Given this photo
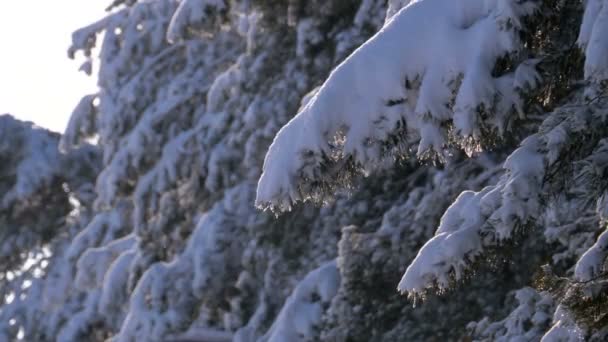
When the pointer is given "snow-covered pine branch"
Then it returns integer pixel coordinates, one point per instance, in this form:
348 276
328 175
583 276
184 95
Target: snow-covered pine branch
428 67
478 221
175 248
37 184
592 39
43 194
191 14
528 321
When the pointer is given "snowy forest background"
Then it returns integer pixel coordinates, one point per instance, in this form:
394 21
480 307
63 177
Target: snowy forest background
321 170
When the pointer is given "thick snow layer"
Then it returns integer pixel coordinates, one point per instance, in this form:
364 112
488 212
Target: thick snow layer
592 38
591 263
95 262
564 329
402 73
476 221
101 230
81 124
197 274
304 307
184 125
114 289
191 13
456 240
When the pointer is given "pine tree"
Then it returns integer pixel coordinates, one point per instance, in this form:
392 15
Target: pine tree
44 197
457 145
465 101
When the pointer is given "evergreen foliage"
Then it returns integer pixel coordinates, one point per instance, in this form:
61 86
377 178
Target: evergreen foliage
458 145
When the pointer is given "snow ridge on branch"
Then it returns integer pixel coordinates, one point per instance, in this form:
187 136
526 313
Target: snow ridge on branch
429 67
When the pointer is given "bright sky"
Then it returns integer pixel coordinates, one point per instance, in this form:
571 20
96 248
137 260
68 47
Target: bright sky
38 82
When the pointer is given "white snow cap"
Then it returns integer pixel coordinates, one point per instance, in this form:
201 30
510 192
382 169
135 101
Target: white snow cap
592 38
191 13
590 264
301 312
430 64
478 220
564 328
